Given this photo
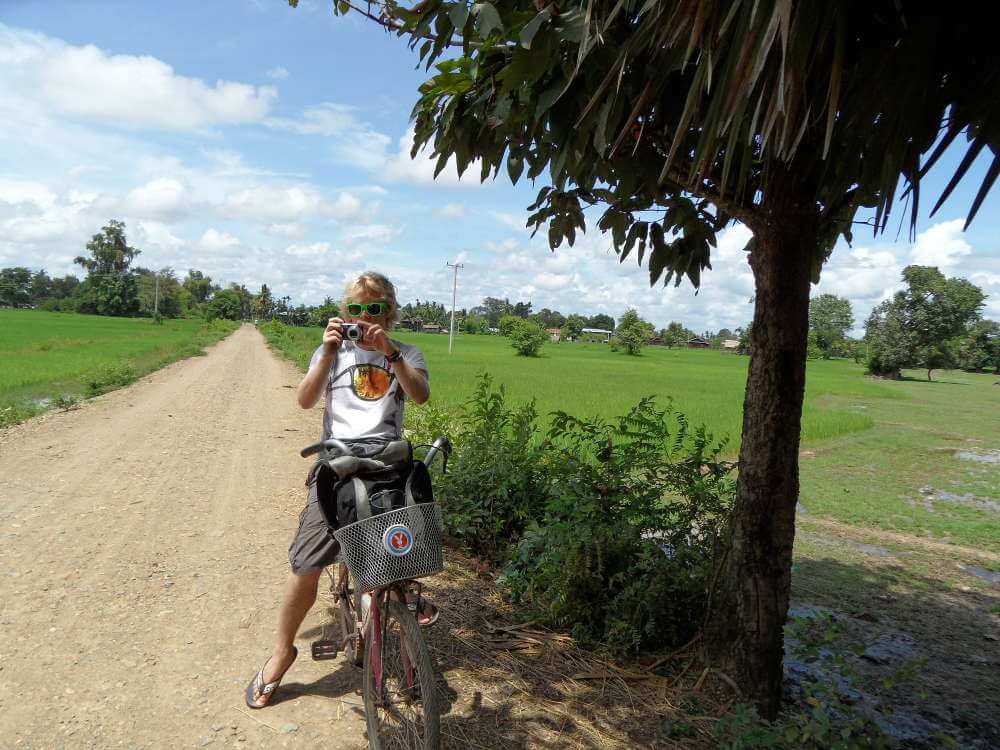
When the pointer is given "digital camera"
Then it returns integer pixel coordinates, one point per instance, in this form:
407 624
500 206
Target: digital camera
352 331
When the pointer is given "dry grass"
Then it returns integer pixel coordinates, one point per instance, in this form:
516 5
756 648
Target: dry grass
508 683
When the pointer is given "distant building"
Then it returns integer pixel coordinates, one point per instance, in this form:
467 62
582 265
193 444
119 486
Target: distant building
698 343
598 332
431 328
555 334
730 345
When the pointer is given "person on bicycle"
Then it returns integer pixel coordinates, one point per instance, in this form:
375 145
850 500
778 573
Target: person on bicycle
365 384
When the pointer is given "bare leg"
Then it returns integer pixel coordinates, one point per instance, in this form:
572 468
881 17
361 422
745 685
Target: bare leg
298 598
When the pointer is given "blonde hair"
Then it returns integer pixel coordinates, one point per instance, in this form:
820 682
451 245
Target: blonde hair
375 284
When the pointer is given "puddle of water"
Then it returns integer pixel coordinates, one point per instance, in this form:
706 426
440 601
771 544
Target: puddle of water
987 575
989 457
874 549
930 496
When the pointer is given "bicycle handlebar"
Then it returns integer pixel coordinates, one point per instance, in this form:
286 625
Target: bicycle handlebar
441 445
330 444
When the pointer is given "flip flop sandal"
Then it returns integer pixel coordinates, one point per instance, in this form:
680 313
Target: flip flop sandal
419 606
261 689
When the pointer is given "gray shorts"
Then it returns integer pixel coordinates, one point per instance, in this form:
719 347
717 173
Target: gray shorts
313 547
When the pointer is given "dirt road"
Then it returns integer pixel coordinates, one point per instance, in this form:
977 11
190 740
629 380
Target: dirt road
143 544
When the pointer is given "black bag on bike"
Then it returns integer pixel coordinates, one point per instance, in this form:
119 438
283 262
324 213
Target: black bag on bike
351 491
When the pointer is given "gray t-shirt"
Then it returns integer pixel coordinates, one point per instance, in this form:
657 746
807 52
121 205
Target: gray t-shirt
363 397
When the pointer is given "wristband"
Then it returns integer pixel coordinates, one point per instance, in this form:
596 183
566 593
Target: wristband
395 356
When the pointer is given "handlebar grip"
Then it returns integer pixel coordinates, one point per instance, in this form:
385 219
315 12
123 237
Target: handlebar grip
328 444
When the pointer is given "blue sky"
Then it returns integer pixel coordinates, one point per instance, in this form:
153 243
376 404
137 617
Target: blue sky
263 144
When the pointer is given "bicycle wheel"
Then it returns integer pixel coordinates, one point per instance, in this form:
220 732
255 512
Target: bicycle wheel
404 713
345 613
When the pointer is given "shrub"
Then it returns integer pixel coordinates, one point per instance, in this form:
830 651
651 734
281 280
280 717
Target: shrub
497 479
608 529
626 546
109 378
527 337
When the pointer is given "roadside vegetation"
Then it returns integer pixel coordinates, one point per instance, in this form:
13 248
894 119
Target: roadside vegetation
52 360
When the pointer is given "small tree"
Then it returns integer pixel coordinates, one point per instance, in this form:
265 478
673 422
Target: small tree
633 332
915 327
110 287
527 337
15 287
506 324
979 351
830 318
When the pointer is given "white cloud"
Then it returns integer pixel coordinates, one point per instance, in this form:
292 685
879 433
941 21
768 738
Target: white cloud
289 230
420 169
215 241
130 90
942 245
269 203
159 235
375 234
548 280
164 196
310 250
16 192
451 211
512 220
279 73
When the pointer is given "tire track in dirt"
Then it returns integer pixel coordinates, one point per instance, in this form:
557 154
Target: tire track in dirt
141 561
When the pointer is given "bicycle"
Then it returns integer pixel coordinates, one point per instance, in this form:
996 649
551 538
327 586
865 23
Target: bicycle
376 629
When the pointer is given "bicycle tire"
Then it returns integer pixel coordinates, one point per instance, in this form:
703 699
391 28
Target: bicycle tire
418 725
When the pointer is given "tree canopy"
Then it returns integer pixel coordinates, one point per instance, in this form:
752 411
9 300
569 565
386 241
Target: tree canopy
916 327
830 318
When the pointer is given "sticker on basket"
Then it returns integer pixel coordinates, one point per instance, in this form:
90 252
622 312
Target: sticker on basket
397 540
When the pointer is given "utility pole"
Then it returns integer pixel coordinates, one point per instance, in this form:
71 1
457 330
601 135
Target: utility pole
454 295
156 296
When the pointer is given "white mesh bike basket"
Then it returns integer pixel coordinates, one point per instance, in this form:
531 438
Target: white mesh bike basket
393 546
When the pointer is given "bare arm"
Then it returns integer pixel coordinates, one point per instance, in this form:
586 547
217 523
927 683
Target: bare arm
314 382
411 380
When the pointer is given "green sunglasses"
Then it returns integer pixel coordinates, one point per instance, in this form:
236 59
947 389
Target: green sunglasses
372 308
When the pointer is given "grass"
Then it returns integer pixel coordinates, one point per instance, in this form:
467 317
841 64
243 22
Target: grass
51 359
869 446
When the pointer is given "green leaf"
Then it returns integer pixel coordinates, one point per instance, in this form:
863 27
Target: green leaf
459 14
487 19
515 165
341 7
532 27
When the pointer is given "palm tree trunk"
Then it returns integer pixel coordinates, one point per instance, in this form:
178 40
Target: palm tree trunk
749 604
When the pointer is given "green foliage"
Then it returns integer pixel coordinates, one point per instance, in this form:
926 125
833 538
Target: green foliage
573 327
830 318
833 725
475 324
526 337
506 324
110 253
116 295
633 516
979 350
225 304
497 478
916 326
110 377
632 333
159 291
15 287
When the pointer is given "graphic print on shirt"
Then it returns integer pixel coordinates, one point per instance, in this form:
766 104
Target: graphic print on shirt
368 382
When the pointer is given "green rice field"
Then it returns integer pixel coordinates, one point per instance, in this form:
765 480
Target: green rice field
881 454
55 357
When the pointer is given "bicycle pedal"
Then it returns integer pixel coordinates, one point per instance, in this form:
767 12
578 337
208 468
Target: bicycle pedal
324 649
